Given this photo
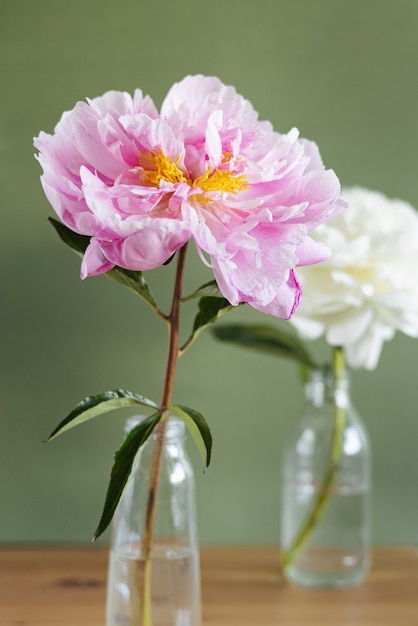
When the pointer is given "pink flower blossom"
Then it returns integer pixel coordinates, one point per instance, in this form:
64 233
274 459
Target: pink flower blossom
142 183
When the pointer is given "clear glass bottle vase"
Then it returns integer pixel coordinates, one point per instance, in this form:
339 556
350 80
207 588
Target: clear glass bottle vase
174 575
326 486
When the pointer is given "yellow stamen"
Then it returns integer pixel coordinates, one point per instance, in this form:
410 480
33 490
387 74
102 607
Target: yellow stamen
226 157
155 166
220 180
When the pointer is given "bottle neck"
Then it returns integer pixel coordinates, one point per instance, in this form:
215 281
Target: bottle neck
328 387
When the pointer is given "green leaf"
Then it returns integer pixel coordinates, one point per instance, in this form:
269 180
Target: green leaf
198 428
129 278
121 470
134 281
96 405
75 241
210 309
208 289
266 339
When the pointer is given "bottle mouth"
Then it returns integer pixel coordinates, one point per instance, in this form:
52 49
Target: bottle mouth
175 426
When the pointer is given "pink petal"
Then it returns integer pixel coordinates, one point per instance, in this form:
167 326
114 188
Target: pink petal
286 300
94 261
150 246
311 251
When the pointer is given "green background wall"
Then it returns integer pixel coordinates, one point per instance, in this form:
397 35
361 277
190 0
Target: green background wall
345 73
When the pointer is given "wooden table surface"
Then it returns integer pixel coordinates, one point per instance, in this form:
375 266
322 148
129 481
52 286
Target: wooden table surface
242 586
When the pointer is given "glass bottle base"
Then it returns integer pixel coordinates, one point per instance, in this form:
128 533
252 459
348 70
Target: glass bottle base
327 567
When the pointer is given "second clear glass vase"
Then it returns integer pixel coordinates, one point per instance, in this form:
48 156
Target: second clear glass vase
326 489
172 593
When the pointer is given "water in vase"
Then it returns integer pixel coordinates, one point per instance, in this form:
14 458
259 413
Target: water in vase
175 591
337 552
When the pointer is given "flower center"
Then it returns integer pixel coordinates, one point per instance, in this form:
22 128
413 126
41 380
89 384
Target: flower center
220 180
156 166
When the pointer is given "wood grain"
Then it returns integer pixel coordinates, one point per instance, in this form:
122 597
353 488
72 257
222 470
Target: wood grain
242 586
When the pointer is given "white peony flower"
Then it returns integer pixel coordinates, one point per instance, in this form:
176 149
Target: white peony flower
368 289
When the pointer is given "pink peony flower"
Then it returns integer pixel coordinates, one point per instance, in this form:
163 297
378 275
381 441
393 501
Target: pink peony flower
142 183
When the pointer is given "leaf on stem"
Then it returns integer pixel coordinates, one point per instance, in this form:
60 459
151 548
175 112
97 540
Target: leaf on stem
131 279
266 339
92 406
198 428
210 309
122 467
209 289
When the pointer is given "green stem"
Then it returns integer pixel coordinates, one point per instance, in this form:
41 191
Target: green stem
324 495
173 354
